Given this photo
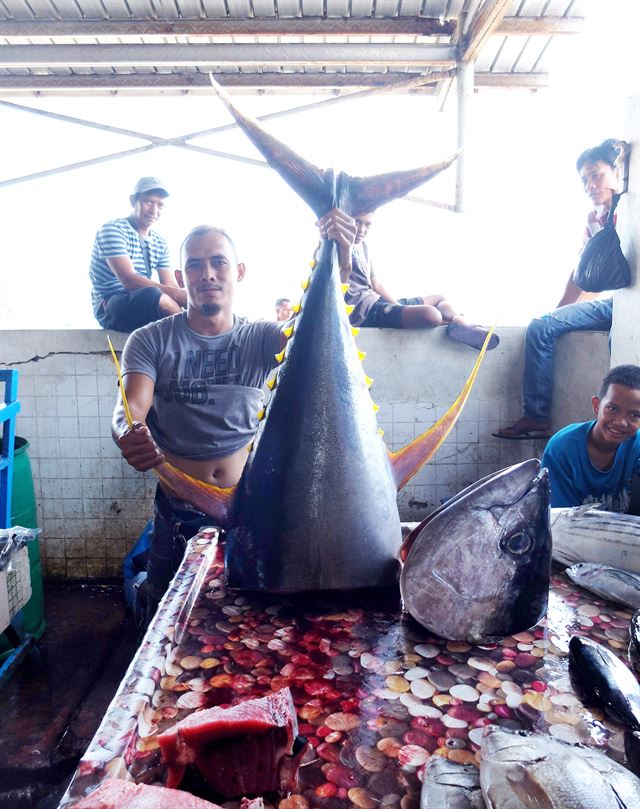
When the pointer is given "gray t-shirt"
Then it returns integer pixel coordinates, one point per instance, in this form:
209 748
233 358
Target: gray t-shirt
360 294
208 390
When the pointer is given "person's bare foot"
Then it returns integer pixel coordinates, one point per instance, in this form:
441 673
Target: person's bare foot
524 428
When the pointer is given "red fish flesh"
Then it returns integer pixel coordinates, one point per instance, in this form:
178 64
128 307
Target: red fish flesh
243 750
114 793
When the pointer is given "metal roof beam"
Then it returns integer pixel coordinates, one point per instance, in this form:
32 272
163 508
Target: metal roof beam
198 83
541 26
322 26
482 26
210 56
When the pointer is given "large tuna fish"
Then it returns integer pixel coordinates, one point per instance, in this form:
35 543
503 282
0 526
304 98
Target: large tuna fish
520 770
478 567
316 506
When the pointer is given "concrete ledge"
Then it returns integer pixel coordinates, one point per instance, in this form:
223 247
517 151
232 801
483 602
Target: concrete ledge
92 505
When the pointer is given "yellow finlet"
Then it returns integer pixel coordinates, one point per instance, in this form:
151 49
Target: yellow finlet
355 331
288 331
312 263
296 308
349 307
125 403
271 383
250 447
305 284
261 414
380 432
345 288
375 407
280 356
368 381
362 354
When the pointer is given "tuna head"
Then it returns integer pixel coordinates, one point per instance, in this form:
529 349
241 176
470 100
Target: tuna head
479 567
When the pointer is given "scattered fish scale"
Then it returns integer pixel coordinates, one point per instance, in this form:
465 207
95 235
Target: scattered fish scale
372 725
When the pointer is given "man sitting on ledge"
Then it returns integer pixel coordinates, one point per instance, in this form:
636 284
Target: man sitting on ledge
126 254
596 461
375 306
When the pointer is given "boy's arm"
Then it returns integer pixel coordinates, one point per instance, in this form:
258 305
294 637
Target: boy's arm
136 443
382 291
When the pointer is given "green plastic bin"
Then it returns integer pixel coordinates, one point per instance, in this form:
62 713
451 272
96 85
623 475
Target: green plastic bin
23 512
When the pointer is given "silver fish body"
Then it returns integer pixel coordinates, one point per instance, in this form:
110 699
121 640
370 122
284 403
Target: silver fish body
586 534
478 568
520 770
608 582
448 785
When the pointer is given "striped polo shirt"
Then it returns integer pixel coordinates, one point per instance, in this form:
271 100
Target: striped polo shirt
120 238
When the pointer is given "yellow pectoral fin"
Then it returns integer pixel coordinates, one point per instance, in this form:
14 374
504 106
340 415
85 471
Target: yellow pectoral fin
410 459
212 500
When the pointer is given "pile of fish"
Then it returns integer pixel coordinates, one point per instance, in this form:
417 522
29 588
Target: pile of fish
521 770
478 567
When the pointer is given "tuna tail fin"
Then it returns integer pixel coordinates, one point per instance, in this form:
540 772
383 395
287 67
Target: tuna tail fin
306 179
359 194
410 459
370 193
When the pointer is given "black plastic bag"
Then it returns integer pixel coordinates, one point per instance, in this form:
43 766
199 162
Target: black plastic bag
602 264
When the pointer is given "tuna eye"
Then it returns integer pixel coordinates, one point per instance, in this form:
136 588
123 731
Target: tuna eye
517 544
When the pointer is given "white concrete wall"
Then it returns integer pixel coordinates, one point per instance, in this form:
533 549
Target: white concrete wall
92 505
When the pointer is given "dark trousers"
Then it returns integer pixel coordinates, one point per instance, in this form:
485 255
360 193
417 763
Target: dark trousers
174 523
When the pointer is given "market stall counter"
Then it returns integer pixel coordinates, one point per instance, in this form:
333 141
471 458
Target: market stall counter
375 694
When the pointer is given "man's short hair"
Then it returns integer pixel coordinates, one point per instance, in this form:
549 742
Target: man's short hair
281 301
627 375
607 151
203 230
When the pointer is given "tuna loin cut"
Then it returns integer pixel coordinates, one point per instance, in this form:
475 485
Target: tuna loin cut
242 750
116 794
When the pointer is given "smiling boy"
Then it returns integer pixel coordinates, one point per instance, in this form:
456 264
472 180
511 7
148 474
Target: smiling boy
595 461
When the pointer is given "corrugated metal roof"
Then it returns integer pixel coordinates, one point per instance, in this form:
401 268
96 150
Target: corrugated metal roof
171 45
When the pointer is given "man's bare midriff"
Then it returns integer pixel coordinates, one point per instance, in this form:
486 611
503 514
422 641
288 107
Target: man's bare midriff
223 472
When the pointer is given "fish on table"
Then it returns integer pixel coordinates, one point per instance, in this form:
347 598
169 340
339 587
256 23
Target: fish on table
611 583
522 770
587 534
448 785
478 567
599 676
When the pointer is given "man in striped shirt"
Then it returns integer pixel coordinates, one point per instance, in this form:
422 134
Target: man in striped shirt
126 254
576 310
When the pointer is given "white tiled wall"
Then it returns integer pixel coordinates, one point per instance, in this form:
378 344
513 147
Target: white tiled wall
92 506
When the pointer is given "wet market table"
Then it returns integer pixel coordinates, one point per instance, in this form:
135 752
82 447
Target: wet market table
375 693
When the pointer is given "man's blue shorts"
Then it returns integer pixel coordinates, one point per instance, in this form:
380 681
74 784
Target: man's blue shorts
126 311
385 315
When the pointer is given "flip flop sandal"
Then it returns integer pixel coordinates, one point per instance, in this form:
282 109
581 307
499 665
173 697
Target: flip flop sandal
521 435
473 336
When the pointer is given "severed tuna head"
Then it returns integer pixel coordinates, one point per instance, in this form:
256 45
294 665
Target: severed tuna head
478 567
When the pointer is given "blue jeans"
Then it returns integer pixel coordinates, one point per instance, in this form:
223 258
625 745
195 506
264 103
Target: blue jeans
540 344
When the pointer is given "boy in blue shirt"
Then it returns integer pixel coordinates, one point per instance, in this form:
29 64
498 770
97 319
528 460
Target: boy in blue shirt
595 461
